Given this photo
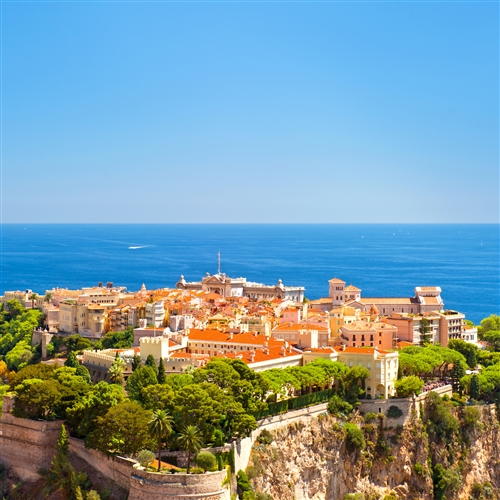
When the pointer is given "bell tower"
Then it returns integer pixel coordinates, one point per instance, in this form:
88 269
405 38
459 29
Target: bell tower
337 291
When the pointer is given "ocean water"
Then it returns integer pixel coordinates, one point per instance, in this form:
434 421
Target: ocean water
381 259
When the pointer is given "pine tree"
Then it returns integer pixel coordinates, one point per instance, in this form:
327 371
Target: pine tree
162 376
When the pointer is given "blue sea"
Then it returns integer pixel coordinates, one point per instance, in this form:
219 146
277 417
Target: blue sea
381 259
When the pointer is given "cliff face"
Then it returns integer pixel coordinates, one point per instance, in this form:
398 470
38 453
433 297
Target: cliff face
319 460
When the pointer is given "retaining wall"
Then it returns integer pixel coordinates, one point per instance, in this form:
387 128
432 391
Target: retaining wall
118 469
147 485
27 445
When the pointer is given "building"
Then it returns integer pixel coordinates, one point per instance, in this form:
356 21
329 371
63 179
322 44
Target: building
442 327
239 287
303 335
369 334
426 299
382 365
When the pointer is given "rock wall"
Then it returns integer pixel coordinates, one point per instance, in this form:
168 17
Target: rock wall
118 469
26 445
312 460
146 485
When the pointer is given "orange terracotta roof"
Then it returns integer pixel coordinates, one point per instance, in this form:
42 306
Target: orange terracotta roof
352 288
224 337
274 352
323 300
387 300
336 280
431 301
322 350
295 327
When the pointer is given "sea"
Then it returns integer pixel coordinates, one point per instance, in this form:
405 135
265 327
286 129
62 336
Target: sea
384 260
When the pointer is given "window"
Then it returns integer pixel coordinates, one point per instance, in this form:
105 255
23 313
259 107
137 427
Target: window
379 342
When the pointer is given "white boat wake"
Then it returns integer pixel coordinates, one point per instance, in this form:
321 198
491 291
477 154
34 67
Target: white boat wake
136 247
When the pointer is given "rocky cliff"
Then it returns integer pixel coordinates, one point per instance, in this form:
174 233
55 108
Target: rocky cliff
326 458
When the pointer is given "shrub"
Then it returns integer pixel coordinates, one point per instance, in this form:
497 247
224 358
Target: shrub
370 416
354 496
419 469
265 437
197 470
354 438
471 417
337 406
206 461
394 412
145 457
391 496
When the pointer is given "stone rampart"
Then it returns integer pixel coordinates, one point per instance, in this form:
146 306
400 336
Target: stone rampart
149 485
118 469
27 445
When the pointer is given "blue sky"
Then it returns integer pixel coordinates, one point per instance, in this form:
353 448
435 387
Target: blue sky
250 112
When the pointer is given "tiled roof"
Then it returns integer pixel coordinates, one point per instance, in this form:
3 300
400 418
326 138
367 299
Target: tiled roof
237 338
274 352
388 300
295 327
336 280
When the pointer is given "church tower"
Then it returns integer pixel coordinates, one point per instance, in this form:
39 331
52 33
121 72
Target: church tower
337 291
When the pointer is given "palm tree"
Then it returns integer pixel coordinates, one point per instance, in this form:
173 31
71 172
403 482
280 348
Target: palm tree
160 425
33 297
48 297
189 439
116 371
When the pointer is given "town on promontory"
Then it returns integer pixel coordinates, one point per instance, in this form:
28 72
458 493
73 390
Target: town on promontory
225 388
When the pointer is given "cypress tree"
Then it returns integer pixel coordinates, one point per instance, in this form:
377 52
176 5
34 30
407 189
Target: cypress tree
150 361
457 372
162 376
474 387
62 475
136 362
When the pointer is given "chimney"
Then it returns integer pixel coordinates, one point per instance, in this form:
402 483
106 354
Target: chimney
231 336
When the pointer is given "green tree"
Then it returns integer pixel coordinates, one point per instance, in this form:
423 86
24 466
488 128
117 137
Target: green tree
408 386
424 330
457 372
158 397
492 323
62 476
130 430
162 376
470 351
136 362
116 371
143 376
190 439
160 426
14 308
151 362
493 338
194 406
474 390
83 414
33 297
72 361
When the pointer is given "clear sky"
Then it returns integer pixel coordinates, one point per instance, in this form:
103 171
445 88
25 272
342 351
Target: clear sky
250 111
